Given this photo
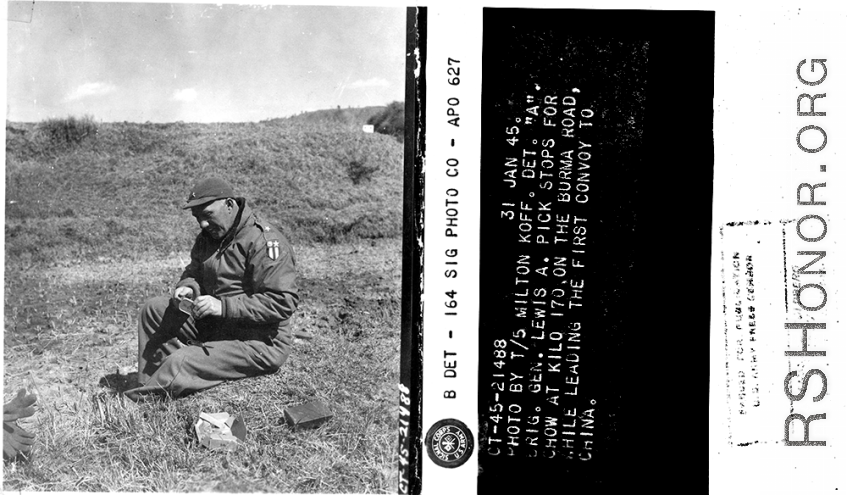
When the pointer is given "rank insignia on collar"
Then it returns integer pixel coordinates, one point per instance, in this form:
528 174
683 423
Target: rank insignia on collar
273 250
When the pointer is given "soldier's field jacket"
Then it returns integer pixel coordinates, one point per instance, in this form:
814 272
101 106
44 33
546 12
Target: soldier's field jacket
252 272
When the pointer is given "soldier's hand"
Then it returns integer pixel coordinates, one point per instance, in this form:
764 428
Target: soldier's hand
184 292
19 407
206 306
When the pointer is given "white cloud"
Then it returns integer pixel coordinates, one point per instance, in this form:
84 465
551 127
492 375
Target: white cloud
374 82
187 94
90 89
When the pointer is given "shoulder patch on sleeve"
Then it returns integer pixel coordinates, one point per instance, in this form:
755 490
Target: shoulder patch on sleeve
273 243
272 249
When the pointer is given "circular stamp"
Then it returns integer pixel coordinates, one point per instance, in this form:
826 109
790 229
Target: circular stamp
449 443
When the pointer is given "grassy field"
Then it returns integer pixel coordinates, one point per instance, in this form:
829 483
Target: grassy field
94 229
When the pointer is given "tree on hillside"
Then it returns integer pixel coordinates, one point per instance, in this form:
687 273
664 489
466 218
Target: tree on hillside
390 121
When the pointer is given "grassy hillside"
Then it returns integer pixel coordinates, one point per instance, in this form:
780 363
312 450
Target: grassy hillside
319 180
349 118
94 229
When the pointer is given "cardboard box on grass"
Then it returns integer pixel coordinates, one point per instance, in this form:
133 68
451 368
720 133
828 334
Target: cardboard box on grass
309 415
220 431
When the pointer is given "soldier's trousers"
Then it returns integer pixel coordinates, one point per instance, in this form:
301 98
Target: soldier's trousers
166 364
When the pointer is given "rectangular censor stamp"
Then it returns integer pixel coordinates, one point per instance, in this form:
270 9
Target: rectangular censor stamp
771 278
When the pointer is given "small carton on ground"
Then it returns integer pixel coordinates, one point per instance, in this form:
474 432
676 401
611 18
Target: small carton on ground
309 415
220 431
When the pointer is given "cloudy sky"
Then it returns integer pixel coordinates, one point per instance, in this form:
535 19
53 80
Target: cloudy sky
199 63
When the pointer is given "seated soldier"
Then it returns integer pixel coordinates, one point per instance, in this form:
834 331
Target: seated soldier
229 314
